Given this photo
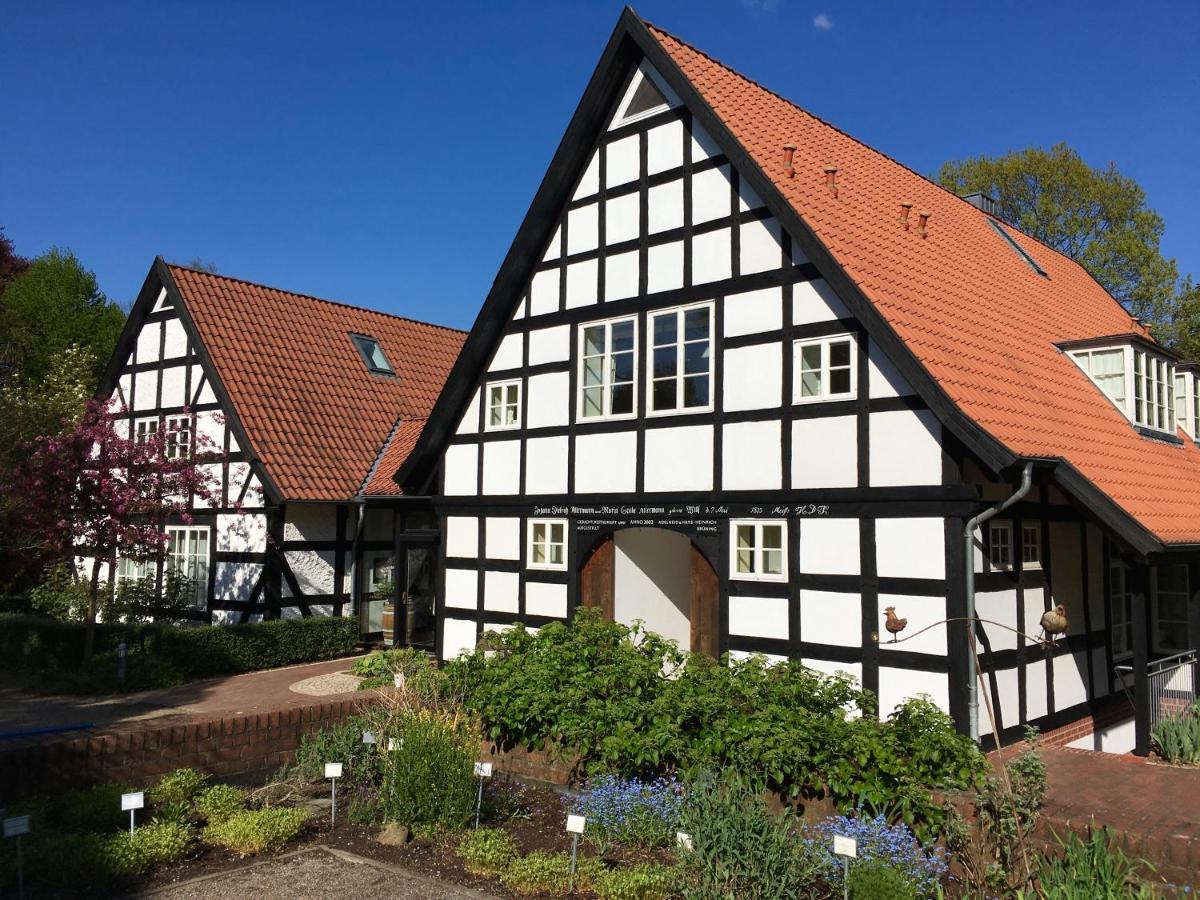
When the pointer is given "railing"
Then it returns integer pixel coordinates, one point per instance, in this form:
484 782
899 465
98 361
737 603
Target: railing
1172 684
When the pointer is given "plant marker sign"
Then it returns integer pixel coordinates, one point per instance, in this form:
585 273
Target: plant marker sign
368 737
394 744
684 840
575 826
482 770
133 802
398 680
847 849
14 827
333 771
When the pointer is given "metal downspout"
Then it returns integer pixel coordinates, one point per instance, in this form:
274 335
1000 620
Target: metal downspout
969 543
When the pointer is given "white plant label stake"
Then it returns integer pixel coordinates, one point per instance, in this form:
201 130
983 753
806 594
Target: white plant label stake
482 770
14 827
575 826
684 840
333 771
847 849
398 680
368 738
133 802
394 744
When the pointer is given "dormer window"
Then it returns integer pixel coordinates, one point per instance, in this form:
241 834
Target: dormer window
1134 373
372 354
1187 399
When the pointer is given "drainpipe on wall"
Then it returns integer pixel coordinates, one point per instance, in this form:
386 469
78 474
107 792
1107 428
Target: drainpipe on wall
969 542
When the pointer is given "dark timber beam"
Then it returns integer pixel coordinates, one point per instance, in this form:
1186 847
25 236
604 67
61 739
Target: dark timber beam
1137 586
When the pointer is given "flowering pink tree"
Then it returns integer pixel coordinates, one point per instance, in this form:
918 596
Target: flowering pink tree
97 493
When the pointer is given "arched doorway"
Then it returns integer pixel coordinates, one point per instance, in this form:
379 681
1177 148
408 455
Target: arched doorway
660 577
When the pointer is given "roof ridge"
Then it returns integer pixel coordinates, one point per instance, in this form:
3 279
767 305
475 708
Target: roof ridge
341 303
387 442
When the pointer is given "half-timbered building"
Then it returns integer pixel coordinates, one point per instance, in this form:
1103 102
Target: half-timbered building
748 380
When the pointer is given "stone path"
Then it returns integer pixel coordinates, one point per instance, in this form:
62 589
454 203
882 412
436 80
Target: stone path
316 873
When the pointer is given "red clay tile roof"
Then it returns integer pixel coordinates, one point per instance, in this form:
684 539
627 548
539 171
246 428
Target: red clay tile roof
380 482
979 319
315 416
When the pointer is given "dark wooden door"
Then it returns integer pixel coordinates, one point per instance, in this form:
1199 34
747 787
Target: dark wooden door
705 606
596 580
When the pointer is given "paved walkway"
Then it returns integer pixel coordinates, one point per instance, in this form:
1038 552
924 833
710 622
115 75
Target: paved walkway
253 692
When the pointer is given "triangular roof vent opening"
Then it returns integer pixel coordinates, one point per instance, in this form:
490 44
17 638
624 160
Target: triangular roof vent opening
645 96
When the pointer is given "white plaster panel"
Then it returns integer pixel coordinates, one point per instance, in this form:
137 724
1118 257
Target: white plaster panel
753 312
824 452
622 219
212 474
703 145
711 195
509 355
242 532
313 570
665 207
765 617
606 462
815 301
1119 739
175 342
827 617
760 247
664 267
461 469
678 459
545 599
772 659
210 430
753 377
1070 680
233 582
501 467
145 393
1035 599
124 386
462 588
898 685
748 199
255 496
829 547
751 457
462 536
174 386
202 387
543 293
910 548
664 147
906 448
711 260
520 313
1000 607
469 423
621 164
1037 696
583 229
921 612
547 345
582 283
1067 584
1006 700
501 591
621 276
589 183
832 667
882 377
148 342
458 637
502 537
549 400
554 250
546 465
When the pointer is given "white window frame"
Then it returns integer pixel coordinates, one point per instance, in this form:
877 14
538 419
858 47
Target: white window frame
757 550
503 387
1154 387
607 383
680 345
643 73
1083 359
1000 527
548 542
1028 527
824 343
140 437
1156 609
145 568
1121 607
170 558
171 446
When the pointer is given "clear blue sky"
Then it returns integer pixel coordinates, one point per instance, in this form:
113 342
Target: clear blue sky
384 153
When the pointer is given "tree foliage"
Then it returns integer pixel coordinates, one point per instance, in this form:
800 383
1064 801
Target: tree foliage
1096 216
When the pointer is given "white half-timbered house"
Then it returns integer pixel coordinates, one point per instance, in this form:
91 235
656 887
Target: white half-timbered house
750 381
314 404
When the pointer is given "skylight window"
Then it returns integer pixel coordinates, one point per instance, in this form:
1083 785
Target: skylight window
372 354
1008 238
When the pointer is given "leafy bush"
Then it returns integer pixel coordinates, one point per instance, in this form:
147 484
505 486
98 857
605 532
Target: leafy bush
95 809
61 595
1093 868
380 668
741 849
430 778
54 860
157 844
642 814
180 786
880 846
220 802
550 873
1177 738
645 881
178 813
487 851
256 831
338 743
875 880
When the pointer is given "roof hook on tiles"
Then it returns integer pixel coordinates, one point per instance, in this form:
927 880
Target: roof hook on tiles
831 180
789 154
923 223
905 209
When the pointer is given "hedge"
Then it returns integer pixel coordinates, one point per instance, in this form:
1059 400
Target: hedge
160 655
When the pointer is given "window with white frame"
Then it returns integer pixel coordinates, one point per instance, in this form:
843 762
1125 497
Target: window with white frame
1187 401
1169 611
607 363
1121 603
681 359
179 437
145 430
188 557
133 569
503 405
380 572
1000 545
547 544
1031 545
643 98
1140 382
1107 369
758 550
824 368
1153 390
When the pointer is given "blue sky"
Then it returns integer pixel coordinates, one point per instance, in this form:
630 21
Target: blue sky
383 154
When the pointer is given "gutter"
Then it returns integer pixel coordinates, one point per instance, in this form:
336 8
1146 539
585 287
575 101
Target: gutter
969 544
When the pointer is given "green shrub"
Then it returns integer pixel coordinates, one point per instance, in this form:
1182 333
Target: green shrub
56 861
550 873
645 881
339 743
61 595
364 812
380 668
157 844
220 802
487 851
256 831
874 880
180 786
95 809
1094 869
429 778
1177 738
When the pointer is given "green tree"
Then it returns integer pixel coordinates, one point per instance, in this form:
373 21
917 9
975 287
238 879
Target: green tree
1182 331
11 265
1098 217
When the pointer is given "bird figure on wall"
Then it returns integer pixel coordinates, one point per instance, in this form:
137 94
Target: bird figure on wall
1054 623
894 623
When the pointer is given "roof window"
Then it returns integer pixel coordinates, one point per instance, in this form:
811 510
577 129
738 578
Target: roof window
372 354
1017 248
